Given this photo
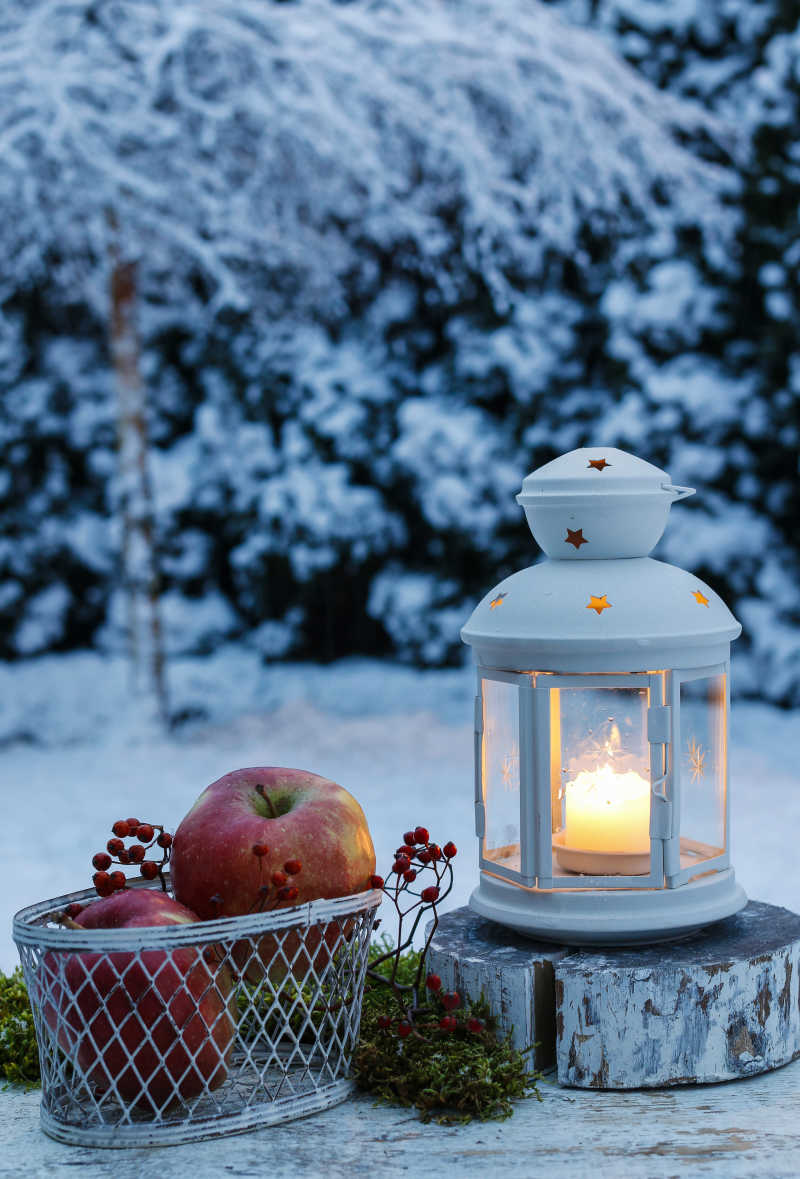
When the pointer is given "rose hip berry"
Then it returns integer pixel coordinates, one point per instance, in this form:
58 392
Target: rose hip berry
124 857
144 832
376 881
409 875
403 1029
117 879
433 982
149 869
164 839
101 860
449 850
115 846
74 910
406 850
424 857
136 853
289 892
430 894
408 837
121 828
132 825
260 849
292 867
279 879
384 1021
401 864
451 1000
421 835
448 1023
475 1025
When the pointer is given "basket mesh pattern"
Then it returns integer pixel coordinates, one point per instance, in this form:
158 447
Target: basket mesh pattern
170 1033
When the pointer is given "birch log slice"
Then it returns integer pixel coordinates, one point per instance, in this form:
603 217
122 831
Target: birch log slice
723 1004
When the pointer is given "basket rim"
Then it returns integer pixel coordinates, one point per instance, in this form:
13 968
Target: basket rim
28 928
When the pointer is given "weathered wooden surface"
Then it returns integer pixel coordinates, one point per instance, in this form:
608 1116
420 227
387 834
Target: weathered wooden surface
750 1130
722 1004
514 974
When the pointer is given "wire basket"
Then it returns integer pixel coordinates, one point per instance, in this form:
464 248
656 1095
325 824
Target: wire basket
173 1033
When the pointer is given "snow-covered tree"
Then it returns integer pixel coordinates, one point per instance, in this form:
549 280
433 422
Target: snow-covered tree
741 60
390 257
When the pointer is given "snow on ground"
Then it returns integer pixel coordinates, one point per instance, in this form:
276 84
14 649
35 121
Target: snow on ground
76 755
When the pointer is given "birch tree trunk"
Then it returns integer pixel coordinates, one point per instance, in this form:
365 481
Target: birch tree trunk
139 563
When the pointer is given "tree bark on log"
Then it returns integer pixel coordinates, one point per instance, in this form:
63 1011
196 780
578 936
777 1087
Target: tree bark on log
722 1004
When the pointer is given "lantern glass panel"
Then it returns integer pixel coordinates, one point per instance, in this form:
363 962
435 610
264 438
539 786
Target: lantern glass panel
600 780
500 773
701 763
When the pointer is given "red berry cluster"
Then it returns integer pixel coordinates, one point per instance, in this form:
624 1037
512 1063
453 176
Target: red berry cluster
116 852
448 1001
279 891
415 854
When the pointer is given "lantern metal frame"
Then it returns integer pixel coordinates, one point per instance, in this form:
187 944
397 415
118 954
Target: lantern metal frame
667 843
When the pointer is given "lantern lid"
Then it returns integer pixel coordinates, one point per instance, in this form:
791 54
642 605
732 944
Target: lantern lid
615 615
593 471
598 503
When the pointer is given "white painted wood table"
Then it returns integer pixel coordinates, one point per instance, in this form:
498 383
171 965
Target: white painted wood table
739 1130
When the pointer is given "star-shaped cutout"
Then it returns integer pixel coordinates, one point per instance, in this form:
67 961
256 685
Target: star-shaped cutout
496 601
575 537
598 603
598 464
700 597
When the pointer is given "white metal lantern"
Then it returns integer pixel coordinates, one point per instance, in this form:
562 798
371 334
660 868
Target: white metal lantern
601 773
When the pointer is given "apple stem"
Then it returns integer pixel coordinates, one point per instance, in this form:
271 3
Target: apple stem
68 922
260 790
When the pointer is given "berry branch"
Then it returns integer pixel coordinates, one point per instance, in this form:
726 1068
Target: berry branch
417 859
278 891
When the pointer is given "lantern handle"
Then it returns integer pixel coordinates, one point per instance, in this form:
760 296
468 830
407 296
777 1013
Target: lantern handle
680 492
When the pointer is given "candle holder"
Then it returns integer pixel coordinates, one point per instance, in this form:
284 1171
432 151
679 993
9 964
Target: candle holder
601 770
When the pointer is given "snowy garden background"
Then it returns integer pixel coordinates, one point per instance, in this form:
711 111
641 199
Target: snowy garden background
292 296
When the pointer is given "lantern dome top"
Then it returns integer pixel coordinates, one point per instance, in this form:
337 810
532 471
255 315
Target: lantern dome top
597 471
610 615
598 502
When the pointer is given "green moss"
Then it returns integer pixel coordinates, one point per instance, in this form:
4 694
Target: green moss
448 1076
19 1060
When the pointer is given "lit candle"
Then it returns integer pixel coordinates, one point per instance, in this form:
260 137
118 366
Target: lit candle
608 812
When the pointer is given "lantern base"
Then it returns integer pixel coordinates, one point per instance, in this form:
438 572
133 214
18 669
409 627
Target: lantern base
609 917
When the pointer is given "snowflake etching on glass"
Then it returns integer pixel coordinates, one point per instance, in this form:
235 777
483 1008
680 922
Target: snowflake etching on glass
509 769
697 759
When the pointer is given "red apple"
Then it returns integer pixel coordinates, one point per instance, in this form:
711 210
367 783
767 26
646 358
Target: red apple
166 1015
297 815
